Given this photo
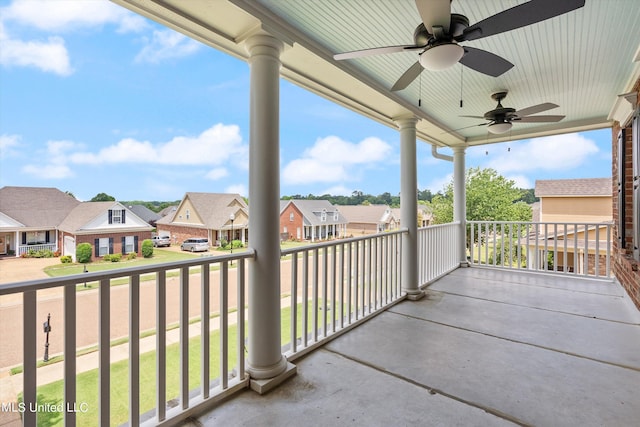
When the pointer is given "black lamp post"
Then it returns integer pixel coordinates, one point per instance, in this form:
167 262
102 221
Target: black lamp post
232 217
47 328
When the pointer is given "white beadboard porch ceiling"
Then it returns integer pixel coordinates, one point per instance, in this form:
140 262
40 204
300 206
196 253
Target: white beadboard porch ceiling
581 60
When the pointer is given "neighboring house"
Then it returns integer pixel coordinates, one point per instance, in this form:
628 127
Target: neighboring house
425 215
109 227
35 218
368 219
207 215
29 218
145 214
570 202
310 220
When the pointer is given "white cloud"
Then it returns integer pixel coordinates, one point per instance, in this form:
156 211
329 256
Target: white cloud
520 181
332 159
68 15
7 145
52 171
439 183
217 145
338 190
56 161
217 173
166 44
49 56
558 152
241 189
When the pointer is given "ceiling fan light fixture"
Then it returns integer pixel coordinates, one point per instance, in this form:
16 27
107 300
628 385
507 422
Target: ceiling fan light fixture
499 127
441 57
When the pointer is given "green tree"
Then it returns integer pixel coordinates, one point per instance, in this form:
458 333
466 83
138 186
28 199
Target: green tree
83 253
490 197
103 197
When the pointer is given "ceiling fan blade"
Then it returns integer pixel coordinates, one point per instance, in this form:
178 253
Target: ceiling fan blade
539 119
485 62
519 16
375 51
468 127
473 117
536 109
410 75
435 13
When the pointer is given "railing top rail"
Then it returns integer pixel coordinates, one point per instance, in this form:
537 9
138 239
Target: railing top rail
337 242
446 224
541 222
52 282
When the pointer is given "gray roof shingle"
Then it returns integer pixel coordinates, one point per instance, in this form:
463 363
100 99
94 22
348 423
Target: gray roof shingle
574 187
36 206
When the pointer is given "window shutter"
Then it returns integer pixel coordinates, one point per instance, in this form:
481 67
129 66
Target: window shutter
135 244
122 220
621 192
24 237
110 217
97 247
110 245
635 148
124 245
47 236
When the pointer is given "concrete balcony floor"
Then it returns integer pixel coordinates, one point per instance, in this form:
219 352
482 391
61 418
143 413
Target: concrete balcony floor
487 347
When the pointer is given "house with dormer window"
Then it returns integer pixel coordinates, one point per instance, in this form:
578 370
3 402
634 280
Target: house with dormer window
311 220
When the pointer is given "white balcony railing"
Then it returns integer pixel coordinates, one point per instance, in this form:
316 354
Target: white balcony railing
26 249
337 284
569 248
330 288
438 251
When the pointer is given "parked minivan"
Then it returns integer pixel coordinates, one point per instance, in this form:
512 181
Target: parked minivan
195 245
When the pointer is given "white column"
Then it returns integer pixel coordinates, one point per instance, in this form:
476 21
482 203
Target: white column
265 358
409 206
460 202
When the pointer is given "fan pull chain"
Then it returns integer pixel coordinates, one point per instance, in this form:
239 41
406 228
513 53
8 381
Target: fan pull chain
461 81
420 92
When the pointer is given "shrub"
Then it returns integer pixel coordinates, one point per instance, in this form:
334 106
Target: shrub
115 257
147 248
83 253
237 244
131 255
66 259
106 257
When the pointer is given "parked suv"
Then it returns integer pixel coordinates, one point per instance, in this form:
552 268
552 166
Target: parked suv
161 241
195 245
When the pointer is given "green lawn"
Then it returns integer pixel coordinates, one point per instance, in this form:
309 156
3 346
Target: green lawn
87 382
159 256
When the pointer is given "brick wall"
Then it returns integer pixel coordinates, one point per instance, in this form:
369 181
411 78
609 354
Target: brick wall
291 226
117 240
625 267
181 233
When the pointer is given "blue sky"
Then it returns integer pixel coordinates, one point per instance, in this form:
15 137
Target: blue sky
94 98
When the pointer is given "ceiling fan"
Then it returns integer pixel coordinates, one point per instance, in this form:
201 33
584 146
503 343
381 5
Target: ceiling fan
501 118
436 38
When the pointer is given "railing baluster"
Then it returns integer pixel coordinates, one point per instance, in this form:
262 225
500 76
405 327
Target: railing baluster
104 351
224 325
334 256
341 281
597 252
564 243
29 344
555 247
184 337
608 251
294 302
69 352
161 345
314 296
241 265
325 286
205 325
134 350
305 298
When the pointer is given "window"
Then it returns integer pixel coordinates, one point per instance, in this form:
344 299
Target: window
128 244
335 215
291 216
323 215
103 246
188 213
116 216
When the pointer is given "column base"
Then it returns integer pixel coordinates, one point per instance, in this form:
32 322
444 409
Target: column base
415 295
464 264
265 385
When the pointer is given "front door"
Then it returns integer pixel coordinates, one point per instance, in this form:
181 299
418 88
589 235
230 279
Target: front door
3 245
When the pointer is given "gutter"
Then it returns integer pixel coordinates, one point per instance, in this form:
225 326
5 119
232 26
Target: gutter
434 153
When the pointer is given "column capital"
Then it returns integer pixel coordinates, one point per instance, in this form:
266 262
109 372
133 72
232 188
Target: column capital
405 121
263 43
459 149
